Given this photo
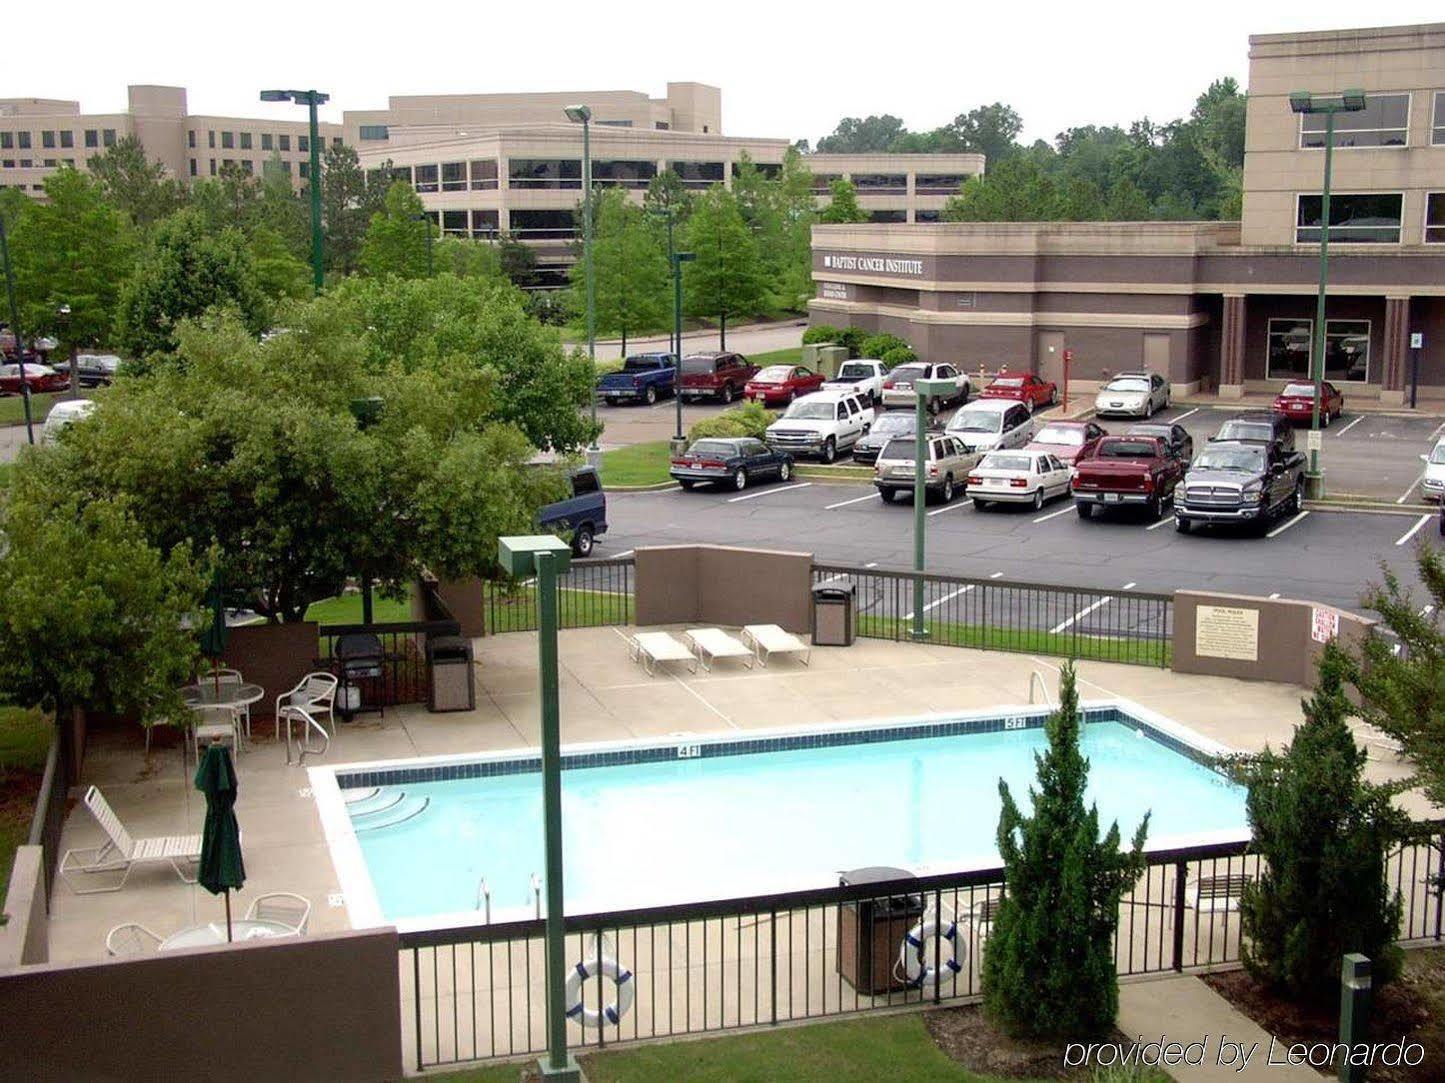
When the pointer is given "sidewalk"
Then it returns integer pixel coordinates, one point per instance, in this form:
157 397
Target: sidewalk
1354 404
745 338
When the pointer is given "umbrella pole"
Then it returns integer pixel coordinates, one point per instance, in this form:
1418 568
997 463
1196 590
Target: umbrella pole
228 915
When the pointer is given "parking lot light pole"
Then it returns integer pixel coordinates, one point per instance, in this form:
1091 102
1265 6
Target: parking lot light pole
581 114
678 259
544 556
62 313
312 99
15 330
1302 101
923 390
430 263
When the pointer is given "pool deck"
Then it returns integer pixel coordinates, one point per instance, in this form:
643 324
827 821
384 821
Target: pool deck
604 697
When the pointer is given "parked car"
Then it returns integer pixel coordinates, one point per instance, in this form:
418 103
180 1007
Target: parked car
1132 394
1067 441
1022 387
1017 477
1296 402
992 425
898 384
96 369
943 474
721 376
821 424
732 462
1236 482
1256 428
1142 471
1433 483
583 514
39 378
781 384
62 415
886 426
863 376
1177 436
644 377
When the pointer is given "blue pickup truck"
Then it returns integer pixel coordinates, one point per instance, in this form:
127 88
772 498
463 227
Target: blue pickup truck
644 377
583 513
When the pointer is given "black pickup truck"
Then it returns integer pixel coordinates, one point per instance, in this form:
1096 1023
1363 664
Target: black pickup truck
1237 482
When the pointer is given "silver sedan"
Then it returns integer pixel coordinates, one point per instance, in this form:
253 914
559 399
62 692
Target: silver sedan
1132 394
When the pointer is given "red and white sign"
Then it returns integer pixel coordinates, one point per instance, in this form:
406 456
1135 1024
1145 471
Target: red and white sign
1068 356
1325 625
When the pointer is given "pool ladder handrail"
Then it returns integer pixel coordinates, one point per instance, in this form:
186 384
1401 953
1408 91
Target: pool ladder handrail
1036 680
484 899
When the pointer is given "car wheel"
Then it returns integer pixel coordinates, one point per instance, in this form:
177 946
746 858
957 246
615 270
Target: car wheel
979 505
1181 525
582 541
1148 409
1156 509
785 471
886 495
740 479
932 407
1297 498
1054 397
686 483
830 450
1325 420
727 394
650 394
1086 511
1038 498
791 396
947 493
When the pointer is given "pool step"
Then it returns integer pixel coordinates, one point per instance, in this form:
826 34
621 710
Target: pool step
405 810
356 797
382 799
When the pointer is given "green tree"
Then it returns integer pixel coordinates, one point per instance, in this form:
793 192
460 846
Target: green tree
518 261
1126 203
796 213
278 273
467 259
727 277
137 186
1049 969
629 270
1018 190
1322 833
349 198
842 203
395 240
668 196
867 135
990 130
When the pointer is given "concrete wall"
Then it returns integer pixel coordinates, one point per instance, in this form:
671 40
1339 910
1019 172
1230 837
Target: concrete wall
463 599
311 1008
720 585
275 656
23 938
1286 648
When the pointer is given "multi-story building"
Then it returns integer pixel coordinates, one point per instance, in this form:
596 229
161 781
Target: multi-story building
1224 305
38 136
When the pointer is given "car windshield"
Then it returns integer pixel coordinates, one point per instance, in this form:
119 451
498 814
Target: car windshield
899 449
694 365
976 421
890 423
1060 434
811 411
1127 384
908 372
1019 464
1300 391
1246 430
1232 458
635 364
773 374
1008 381
712 449
1127 449
1437 453
851 371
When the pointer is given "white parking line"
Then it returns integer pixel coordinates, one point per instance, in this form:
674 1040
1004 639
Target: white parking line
1414 529
1054 514
1351 425
1274 595
938 602
996 575
624 554
1285 526
855 500
769 492
1181 417
1165 521
1130 586
961 502
871 564
1056 629
1406 494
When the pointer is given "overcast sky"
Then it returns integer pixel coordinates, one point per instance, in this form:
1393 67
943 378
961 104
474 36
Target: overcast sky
787 69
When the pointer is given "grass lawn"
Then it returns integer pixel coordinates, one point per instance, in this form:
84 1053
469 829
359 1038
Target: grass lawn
12 407
24 743
791 355
346 609
637 464
576 608
1029 640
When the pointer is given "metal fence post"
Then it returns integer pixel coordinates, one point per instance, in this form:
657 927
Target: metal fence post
1355 982
773 963
1181 871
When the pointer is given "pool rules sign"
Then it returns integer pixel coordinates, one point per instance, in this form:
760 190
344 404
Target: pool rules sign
1226 631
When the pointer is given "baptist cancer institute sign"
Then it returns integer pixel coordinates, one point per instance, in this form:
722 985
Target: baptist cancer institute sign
888 265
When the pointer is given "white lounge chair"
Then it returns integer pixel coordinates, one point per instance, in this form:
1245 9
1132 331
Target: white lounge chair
654 648
713 643
1374 737
315 693
132 938
284 908
768 640
1212 893
121 852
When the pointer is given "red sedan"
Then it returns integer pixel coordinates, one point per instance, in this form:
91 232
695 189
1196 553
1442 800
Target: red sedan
38 377
1070 442
1297 403
781 384
1024 387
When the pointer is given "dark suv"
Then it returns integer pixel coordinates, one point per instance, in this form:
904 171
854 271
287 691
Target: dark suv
584 513
1257 428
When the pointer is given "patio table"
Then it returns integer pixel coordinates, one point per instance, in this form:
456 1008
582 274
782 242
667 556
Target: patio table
212 933
206 695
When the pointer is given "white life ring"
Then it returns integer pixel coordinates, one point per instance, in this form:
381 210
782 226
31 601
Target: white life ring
917 962
608 968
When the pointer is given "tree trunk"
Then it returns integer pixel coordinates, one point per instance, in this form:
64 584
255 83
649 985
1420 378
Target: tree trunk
722 338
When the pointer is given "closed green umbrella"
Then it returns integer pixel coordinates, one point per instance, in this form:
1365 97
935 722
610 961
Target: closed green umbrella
221 866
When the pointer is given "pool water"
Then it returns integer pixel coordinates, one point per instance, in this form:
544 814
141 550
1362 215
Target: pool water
722 826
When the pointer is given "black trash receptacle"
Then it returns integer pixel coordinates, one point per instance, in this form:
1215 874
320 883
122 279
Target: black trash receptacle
449 659
871 931
834 617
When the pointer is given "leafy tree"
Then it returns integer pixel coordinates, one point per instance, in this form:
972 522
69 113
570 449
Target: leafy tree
843 203
1219 115
518 261
668 196
1126 203
349 199
396 238
796 213
183 272
1322 832
1018 190
137 186
73 248
869 135
1049 969
278 273
820 332
749 419
467 259
990 130
629 270
727 277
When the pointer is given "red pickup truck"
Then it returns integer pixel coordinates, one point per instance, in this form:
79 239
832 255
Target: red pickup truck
1133 470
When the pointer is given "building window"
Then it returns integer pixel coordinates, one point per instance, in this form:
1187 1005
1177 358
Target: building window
248 167
336 141
698 174
765 169
67 139
7 140
245 140
484 174
823 183
1435 218
191 140
484 225
228 163
623 174
543 225
941 184
193 167
1347 350
615 123
454 223
47 140
888 216
51 163
454 179
1383 122
1355 218
544 172
211 140
228 140
303 168
26 163
881 184
92 137
70 162
426 178
267 142
8 163
401 173
107 136
372 133
928 216
662 125
213 167
283 142
1437 121
303 143
24 138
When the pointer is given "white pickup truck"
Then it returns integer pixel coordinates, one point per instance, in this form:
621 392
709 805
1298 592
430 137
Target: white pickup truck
821 424
862 376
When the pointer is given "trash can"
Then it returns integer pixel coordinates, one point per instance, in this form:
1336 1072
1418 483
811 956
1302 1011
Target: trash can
833 613
449 658
871 931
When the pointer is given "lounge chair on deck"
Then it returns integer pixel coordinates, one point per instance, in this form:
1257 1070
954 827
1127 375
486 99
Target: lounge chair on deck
655 648
713 643
1219 892
121 852
768 640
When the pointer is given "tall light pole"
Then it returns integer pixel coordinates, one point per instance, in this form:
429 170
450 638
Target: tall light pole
62 313
15 330
430 263
544 556
312 99
923 390
1302 101
677 259
581 114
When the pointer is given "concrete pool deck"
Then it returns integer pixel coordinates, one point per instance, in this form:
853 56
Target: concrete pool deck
604 697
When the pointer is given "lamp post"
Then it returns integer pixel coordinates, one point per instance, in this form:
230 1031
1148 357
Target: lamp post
582 114
677 259
923 390
312 99
62 313
430 263
1302 101
544 556
15 330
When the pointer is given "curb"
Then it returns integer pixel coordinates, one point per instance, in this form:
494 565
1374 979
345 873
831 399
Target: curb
1371 507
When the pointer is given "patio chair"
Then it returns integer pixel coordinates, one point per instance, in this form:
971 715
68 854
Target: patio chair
713 643
232 676
287 719
983 914
282 907
768 640
132 938
655 648
121 852
315 693
1219 892
216 725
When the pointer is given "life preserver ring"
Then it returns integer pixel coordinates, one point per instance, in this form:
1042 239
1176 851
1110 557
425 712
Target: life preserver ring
917 963
607 967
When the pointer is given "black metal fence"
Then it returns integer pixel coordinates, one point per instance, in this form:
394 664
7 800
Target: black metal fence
49 815
996 614
402 674
478 993
590 594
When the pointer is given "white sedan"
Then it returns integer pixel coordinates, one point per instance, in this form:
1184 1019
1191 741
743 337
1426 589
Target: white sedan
1432 484
1017 477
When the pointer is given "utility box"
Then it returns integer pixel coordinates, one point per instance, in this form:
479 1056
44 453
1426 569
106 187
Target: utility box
834 613
871 931
810 355
830 359
449 658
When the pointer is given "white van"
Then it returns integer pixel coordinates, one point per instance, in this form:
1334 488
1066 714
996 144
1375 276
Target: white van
63 414
992 425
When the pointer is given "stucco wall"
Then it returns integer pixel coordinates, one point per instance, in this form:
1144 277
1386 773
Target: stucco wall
275 656
23 938
720 585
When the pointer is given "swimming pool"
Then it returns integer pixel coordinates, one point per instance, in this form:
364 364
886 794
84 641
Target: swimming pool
694 818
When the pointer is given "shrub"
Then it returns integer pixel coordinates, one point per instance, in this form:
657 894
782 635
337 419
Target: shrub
853 338
1049 968
820 332
878 345
749 419
899 355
